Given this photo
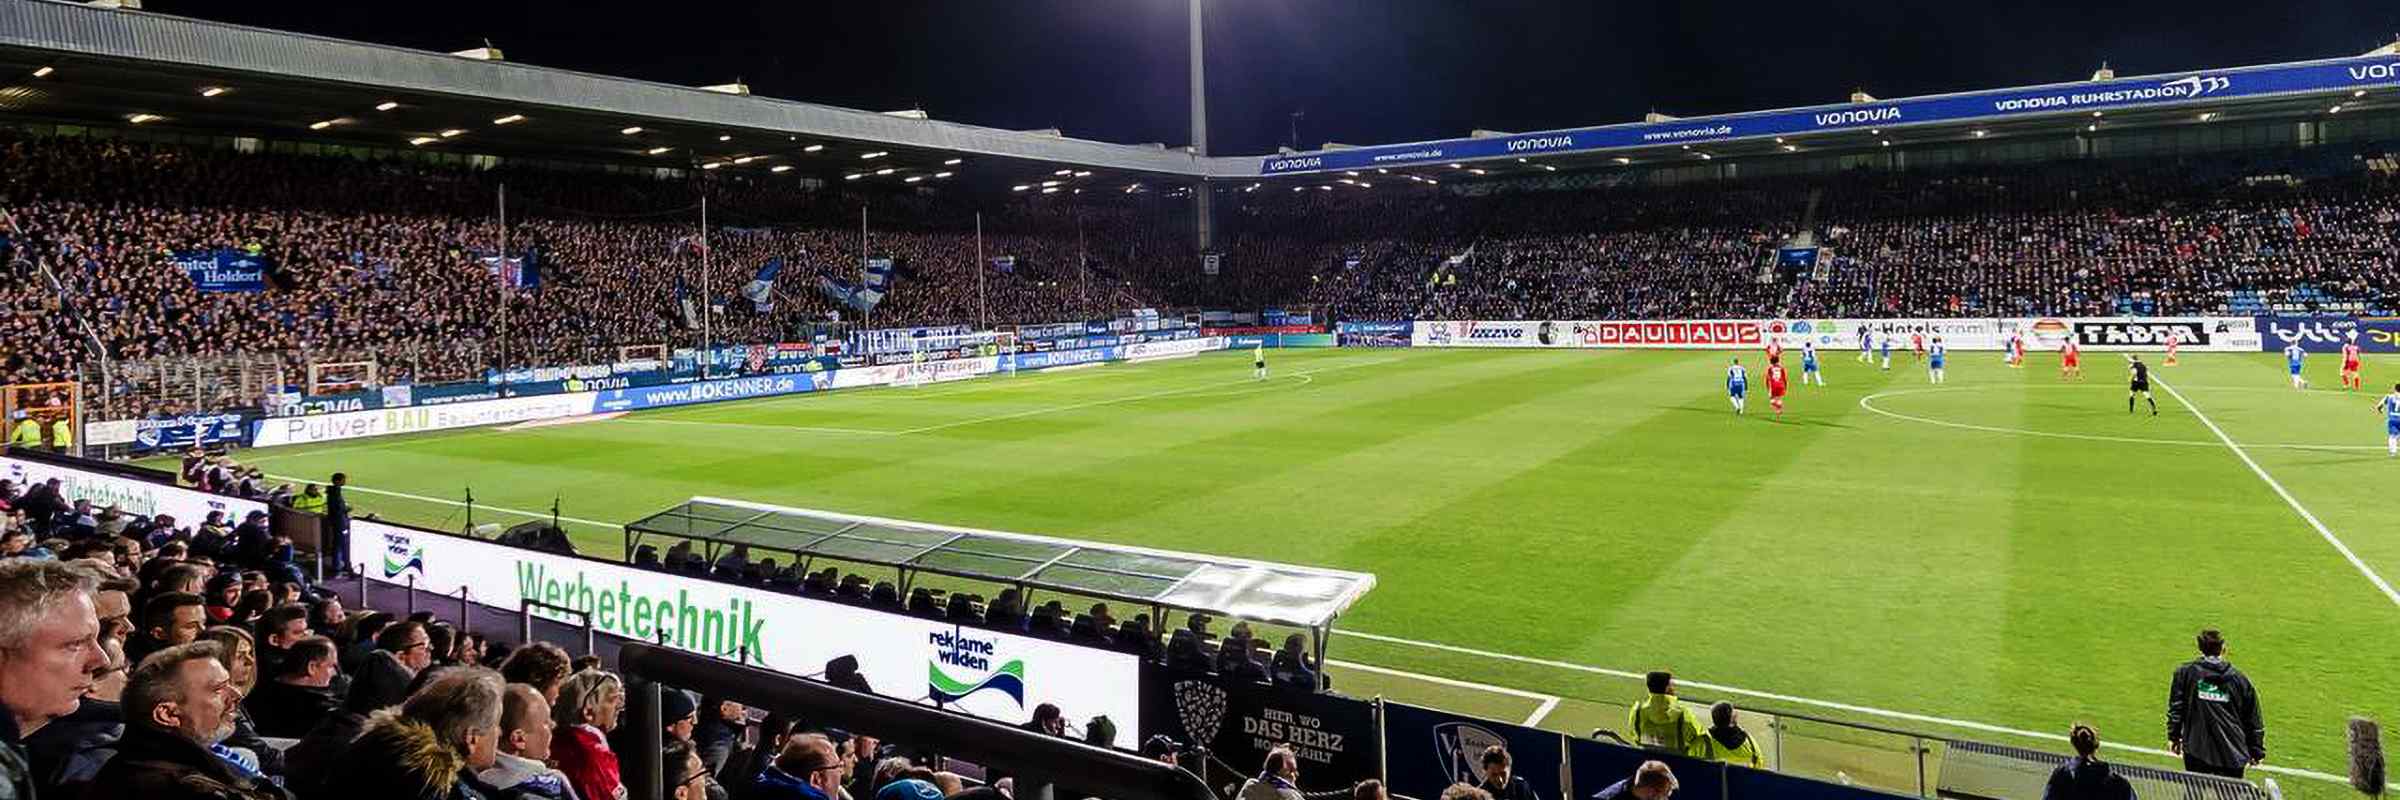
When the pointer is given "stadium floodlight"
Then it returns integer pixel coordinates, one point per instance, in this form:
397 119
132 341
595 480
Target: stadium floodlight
2098 113
2207 115
1354 173
1479 171
1980 133
657 150
939 175
2358 94
1365 185
1432 181
812 148
422 141
912 179
781 168
453 132
1705 156
1687 147
1550 168
138 119
1064 172
1046 184
44 72
631 130
2091 127
325 123
854 176
712 165
1779 140
954 162
2336 109
387 105
1084 174
1884 142
1298 188
1020 187
1049 190
725 137
1456 165
886 171
1791 148
873 155
1382 171
1624 160
212 91
1345 180
509 120
745 159
1874 131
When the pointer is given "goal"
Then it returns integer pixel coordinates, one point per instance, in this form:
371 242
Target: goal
44 405
949 357
336 377
653 353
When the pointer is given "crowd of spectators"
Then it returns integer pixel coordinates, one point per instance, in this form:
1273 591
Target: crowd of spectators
384 260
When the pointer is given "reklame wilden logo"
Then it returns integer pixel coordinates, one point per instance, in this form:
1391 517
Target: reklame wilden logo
966 651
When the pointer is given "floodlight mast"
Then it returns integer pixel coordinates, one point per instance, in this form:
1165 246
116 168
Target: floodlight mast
1202 202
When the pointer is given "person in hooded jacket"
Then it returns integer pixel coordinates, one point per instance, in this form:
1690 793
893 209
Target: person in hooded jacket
431 746
2212 713
2086 777
1726 741
1661 721
382 682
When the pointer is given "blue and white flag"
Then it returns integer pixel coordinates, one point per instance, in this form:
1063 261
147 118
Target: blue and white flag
521 272
223 270
1005 265
761 288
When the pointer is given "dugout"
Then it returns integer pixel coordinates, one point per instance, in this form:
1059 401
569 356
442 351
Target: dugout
921 553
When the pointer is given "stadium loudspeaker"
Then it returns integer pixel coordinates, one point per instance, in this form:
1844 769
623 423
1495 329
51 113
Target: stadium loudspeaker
2366 756
538 535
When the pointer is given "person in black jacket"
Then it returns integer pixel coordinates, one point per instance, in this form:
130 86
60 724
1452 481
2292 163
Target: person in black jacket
2086 777
337 526
1497 780
2212 714
298 694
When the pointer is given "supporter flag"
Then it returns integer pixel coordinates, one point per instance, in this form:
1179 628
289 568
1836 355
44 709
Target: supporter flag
1005 265
689 244
684 308
761 288
223 270
521 272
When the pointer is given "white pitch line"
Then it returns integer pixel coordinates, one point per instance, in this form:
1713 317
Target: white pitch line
447 501
1868 404
2288 499
759 426
1984 727
1441 681
1540 713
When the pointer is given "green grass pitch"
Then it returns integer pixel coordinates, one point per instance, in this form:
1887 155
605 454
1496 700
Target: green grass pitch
2008 549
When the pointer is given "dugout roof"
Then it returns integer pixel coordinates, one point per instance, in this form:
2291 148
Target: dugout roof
1230 587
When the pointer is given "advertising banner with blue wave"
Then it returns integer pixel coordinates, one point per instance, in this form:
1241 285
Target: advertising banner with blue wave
2330 76
2327 334
1425 751
223 270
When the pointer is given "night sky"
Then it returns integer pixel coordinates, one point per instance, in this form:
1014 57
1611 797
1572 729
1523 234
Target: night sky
1362 71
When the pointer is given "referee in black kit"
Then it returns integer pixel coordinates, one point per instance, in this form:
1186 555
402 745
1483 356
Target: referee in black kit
2140 386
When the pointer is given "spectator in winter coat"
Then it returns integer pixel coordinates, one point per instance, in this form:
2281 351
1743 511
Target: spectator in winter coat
1651 781
300 694
1726 741
541 665
1661 721
722 723
1497 779
432 745
2086 777
49 652
1278 778
2212 713
808 768
179 707
520 772
588 707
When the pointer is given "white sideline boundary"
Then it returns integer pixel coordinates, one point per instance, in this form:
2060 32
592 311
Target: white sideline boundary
1983 727
447 501
2288 499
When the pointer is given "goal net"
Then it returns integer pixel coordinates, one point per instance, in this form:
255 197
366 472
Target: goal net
336 377
936 358
654 353
43 405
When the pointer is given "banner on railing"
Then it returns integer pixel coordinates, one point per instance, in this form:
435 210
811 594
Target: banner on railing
998 676
223 270
1239 721
1425 751
190 430
1373 334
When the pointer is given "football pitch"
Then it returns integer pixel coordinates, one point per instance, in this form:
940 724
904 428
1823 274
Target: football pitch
2005 552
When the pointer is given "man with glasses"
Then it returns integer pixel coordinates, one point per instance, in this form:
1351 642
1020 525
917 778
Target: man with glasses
687 778
808 769
408 642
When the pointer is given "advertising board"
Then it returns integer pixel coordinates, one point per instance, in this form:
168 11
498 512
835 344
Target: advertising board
994 675
144 498
416 419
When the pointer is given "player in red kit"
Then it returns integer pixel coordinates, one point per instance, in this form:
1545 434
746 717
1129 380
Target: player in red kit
2350 377
1777 381
2070 361
2174 343
1916 342
1774 348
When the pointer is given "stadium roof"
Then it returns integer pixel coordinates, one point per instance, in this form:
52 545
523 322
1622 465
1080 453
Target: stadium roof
1230 587
104 66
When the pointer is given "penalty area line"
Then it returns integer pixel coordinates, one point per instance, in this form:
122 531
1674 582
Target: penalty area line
2305 515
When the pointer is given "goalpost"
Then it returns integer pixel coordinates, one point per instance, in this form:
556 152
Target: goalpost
654 353
925 354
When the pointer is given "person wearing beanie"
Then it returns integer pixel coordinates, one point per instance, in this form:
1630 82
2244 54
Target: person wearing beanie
1726 741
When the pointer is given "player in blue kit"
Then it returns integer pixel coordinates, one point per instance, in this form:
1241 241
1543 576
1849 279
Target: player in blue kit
1883 346
1808 364
1737 385
2292 356
1934 359
2390 406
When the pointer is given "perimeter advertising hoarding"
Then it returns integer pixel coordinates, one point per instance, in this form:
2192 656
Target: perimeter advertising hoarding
2321 334
994 675
416 419
1425 751
1962 333
187 506
1238 721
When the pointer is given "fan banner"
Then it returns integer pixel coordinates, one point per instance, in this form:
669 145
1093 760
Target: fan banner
1238 722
